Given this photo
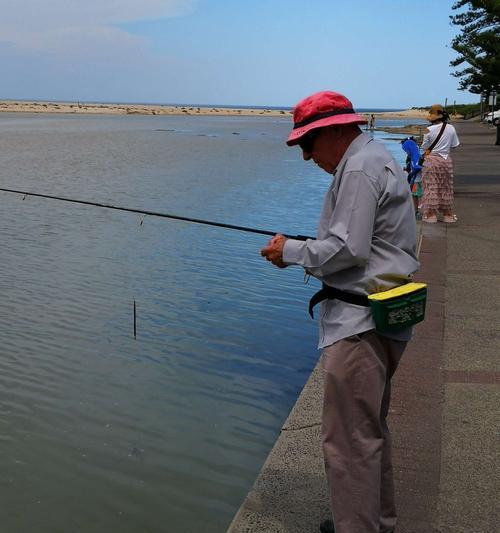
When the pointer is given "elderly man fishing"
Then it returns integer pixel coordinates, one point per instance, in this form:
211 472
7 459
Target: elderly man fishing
366 244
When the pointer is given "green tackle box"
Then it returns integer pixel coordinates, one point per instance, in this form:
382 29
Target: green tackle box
399 308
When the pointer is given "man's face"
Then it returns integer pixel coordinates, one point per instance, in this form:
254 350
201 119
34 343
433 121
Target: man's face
324 147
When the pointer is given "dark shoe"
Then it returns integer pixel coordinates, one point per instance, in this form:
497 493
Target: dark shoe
327 527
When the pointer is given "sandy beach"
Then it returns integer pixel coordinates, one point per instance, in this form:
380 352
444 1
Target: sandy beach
407 113
9 106
12 106
130 109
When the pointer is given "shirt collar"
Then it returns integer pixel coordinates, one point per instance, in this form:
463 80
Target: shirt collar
356 145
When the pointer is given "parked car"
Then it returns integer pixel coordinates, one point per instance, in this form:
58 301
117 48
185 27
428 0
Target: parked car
492 118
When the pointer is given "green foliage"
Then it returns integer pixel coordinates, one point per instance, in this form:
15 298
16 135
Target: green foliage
461 109
465 109
478 44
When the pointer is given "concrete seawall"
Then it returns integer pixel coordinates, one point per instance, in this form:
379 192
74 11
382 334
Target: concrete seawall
445 393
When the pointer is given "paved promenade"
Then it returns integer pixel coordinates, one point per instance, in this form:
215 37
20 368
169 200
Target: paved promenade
444 415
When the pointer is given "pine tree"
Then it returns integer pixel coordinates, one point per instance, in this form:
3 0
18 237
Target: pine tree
478 45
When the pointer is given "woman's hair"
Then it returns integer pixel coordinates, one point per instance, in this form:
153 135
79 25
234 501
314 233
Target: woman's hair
442 116
437 113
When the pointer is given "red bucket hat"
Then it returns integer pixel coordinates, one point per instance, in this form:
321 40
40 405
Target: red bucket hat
325 108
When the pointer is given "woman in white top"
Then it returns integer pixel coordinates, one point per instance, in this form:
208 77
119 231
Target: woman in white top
437 172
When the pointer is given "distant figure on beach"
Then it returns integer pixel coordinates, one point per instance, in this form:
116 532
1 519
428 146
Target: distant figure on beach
437 173
414 170
372 121
366 243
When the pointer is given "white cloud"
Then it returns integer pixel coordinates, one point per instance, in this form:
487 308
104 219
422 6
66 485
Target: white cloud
55 25
76 49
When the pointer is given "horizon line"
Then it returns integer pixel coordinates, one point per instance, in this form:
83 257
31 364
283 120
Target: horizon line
178 104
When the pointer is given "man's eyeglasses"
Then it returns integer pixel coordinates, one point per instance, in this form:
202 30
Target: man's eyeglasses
307 142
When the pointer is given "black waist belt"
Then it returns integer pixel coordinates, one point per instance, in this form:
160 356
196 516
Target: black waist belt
331 293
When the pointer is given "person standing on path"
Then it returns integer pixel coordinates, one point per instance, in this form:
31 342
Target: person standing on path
366 243
414 170
437 173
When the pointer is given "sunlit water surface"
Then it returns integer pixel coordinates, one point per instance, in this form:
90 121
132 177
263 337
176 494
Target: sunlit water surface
101 432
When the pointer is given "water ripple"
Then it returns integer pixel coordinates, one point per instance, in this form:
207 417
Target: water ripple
165 432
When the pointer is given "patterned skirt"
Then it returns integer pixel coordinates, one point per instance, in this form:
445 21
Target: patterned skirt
437 178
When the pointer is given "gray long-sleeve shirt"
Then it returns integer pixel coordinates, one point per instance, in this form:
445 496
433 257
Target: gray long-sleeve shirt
366 240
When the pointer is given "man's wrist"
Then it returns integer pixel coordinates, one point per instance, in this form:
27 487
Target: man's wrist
292 251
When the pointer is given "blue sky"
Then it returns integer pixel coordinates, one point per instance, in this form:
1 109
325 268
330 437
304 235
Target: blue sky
379 53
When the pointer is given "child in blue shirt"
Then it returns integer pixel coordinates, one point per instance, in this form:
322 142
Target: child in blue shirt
414 170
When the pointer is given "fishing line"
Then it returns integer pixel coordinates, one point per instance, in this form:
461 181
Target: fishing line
156 214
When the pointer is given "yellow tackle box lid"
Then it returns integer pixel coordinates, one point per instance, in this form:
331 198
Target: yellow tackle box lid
402 290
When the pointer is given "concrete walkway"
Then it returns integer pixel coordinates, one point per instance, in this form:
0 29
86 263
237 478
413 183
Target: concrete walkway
446 395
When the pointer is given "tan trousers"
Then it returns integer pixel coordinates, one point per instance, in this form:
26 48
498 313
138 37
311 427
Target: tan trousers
356 439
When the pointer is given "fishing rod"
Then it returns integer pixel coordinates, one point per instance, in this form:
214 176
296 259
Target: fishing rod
157 214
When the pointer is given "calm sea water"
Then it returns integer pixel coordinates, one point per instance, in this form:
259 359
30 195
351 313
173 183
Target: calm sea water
101 432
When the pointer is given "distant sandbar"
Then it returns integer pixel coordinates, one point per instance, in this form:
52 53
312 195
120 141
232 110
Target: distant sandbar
131 109
8 106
